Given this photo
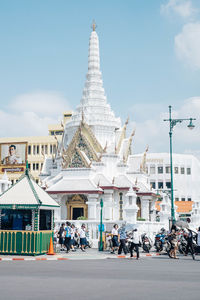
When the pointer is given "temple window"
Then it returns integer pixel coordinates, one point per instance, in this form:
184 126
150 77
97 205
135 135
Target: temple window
167 169
188 171
152 169
160 170
160 185
176 170
153 184
189 199
182 170
168 184
182 199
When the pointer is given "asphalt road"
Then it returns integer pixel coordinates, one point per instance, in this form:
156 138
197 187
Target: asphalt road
149 278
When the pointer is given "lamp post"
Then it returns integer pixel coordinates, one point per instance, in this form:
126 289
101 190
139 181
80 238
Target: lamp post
101 226
172 123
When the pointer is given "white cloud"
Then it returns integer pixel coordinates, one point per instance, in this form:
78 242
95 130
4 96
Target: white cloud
47 103
187 45
155 132
182 8
30 114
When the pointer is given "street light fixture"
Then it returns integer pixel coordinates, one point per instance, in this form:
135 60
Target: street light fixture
172 123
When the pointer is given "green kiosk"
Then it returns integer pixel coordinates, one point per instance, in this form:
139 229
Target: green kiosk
26 218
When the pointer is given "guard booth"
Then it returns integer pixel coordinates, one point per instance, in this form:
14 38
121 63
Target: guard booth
26 218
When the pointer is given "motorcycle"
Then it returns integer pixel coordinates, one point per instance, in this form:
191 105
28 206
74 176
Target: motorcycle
146 243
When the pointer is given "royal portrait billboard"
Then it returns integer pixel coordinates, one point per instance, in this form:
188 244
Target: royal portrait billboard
13 156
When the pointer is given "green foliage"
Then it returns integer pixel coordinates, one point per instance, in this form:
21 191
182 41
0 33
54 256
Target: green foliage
82 218
141 219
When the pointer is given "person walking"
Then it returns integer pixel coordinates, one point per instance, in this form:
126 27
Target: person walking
82 235
135 242
115 238
172 237
72 241
67 236
189 238
61 236
122 234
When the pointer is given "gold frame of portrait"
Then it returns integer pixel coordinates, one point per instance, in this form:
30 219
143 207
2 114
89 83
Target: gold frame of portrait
13 166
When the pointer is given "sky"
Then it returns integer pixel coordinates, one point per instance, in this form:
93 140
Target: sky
150 59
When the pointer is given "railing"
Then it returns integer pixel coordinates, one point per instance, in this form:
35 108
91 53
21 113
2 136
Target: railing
24 242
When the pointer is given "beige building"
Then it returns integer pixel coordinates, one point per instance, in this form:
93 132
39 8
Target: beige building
37 148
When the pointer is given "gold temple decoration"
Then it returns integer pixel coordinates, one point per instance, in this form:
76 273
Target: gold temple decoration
94 25
122 137
144 158
127 151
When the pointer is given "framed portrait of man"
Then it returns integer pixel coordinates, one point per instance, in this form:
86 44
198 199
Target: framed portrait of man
13 154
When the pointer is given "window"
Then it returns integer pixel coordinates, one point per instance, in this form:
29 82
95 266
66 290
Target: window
54 149
34 167
152 169
29 166
37 166
42 149
160 185
176 199
188 171
17 219
12 181
29 149
160 170
168 184
153 184
176 170
46 149
182 170
41 165
37 180
34 149
51 149
182 199
38 149
45 220
189 199
167 169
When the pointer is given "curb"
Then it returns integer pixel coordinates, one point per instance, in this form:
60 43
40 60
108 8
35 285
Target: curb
53 258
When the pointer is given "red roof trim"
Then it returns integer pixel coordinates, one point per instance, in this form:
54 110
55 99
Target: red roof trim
75 192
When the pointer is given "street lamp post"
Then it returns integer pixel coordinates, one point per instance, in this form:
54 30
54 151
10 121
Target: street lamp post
101 226
172 123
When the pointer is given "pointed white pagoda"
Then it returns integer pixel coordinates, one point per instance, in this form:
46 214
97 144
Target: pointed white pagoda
93 107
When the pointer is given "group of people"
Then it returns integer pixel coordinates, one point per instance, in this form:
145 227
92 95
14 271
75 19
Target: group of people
67 237
119 238
189 236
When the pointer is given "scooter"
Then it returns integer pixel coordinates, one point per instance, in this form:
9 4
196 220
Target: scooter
146 243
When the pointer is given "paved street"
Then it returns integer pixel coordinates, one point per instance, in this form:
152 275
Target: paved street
148 278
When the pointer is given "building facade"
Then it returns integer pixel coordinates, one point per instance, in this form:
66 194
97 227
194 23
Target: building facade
38 147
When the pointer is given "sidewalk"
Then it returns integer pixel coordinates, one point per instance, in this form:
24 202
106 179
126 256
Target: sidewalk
78 255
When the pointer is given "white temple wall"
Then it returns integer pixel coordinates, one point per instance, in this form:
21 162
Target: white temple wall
144 208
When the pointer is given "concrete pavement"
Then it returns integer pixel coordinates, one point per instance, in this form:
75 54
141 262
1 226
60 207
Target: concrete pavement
153 278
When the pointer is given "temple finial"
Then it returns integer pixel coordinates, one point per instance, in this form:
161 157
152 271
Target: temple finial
94 25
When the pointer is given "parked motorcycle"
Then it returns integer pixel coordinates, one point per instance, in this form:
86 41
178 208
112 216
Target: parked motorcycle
146 243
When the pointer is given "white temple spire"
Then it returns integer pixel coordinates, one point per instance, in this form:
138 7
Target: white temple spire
97 112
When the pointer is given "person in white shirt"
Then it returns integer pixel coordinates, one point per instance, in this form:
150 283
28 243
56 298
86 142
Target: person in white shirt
82 235
135 242
115 238
72 241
